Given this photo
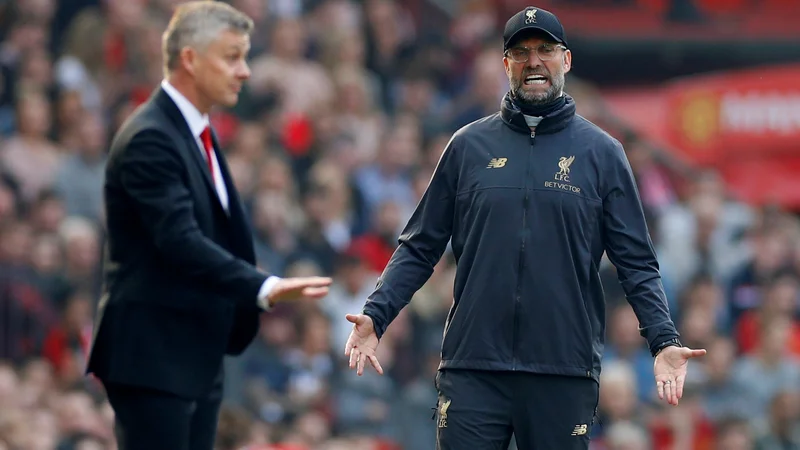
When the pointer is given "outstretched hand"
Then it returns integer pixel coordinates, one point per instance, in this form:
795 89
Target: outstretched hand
670 369
362 343
289 289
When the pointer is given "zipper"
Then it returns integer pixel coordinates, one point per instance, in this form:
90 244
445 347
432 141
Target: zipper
521 265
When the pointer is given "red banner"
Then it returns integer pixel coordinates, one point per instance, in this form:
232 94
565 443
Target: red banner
736 114
745 124
766 180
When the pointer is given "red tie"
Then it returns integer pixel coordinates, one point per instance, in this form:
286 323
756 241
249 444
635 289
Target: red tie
206 137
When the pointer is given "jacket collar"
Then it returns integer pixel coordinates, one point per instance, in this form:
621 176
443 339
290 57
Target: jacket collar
167 104
195 119
551 123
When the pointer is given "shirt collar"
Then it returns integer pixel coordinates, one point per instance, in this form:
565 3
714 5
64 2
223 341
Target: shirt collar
197 122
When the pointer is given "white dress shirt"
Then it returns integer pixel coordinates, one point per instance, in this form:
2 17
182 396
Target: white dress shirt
197 123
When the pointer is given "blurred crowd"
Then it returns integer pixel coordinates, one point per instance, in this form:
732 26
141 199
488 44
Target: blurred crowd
334 139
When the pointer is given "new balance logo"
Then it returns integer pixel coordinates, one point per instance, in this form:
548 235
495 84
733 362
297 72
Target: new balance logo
580 430
497 163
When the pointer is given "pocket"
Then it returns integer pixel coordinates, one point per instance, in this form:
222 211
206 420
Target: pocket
438 393
595 417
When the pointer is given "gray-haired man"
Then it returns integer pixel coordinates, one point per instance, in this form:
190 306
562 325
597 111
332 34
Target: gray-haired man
181 288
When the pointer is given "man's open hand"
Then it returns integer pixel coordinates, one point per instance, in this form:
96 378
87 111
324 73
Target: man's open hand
670 370
289 289
362 343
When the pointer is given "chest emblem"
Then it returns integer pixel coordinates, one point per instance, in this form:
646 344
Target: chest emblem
563 166
497 163
561 177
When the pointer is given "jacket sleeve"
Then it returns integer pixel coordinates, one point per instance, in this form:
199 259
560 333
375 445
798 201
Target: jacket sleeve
629 247
421 245
150 171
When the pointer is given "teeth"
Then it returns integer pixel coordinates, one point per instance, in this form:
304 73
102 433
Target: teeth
535 81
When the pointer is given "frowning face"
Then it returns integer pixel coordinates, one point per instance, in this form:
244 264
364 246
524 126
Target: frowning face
536 68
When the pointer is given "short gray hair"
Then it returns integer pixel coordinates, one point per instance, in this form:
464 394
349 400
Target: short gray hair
195 24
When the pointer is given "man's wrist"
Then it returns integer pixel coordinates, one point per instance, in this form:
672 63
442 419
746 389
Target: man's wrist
266 289
375 323
674 342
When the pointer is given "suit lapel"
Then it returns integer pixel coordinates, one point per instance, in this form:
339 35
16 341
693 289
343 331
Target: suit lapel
166 103
224 173
240 227
241 234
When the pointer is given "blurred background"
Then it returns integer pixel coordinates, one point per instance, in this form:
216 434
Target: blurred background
349 107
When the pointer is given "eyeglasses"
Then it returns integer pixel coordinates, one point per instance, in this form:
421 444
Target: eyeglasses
545 52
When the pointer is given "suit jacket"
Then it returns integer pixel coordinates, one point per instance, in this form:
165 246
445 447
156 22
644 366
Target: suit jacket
180 284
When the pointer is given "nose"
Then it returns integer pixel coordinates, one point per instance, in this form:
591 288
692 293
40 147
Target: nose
244 71
533 60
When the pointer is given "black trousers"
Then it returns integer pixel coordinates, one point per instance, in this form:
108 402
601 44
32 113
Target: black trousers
481 410
147 419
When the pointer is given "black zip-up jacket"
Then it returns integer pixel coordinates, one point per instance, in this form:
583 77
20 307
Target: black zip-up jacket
529 215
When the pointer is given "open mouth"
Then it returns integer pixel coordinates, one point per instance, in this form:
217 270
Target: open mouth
535 79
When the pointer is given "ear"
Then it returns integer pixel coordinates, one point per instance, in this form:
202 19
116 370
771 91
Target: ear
567 61
188 58
506 65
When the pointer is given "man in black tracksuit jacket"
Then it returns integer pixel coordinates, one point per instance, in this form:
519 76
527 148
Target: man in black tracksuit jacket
530 204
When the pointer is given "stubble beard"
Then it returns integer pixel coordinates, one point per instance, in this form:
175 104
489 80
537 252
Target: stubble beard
538 98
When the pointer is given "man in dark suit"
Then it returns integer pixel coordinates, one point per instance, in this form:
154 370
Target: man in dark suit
181 289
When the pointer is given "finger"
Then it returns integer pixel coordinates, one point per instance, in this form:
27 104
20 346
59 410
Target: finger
315 292
348 347
315 281
679 381
668 391
360 363
354 355
673 393
660 389
352 318
374 360
293 284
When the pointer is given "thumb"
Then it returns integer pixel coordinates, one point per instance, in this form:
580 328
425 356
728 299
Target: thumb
352 318
692 353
